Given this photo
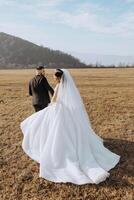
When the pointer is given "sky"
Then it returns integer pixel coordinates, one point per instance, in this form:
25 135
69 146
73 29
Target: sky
78 26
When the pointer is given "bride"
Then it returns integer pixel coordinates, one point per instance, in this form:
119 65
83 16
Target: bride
61 139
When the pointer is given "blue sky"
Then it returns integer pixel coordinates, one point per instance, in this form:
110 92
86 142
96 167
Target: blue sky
82 26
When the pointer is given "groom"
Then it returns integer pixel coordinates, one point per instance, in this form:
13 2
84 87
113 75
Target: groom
39 89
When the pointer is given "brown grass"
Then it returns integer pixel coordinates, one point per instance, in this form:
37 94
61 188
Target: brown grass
108 95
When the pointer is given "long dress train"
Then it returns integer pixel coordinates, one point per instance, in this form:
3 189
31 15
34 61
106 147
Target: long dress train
61 139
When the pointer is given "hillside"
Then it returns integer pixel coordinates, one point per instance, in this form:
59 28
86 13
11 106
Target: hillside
18 53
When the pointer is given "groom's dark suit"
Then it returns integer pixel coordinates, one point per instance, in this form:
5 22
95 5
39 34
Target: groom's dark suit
38 89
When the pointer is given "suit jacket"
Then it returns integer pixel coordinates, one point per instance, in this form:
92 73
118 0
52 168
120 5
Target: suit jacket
39 89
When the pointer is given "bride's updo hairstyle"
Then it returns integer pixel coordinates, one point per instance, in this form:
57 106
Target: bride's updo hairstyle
58 73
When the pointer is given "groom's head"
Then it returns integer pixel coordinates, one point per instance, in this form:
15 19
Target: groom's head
40 70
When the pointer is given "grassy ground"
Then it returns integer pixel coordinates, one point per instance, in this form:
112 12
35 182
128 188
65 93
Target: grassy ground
108 95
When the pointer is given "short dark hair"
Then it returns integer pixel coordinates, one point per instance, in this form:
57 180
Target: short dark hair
40 67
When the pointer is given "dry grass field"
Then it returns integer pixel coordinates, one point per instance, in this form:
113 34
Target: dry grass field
108 95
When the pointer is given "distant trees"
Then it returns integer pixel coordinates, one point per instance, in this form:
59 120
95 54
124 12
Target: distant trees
17 52
120 65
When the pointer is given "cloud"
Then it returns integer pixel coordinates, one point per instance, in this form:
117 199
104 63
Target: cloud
93 17
129 1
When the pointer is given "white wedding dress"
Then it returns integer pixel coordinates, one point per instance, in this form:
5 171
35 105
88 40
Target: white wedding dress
61 140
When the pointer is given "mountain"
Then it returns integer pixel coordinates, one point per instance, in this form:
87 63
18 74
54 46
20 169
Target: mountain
107 60
18 53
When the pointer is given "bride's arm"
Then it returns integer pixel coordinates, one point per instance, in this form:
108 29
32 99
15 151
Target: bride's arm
55 94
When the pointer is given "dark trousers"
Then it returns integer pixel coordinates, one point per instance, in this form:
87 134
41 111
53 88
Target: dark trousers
39 107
